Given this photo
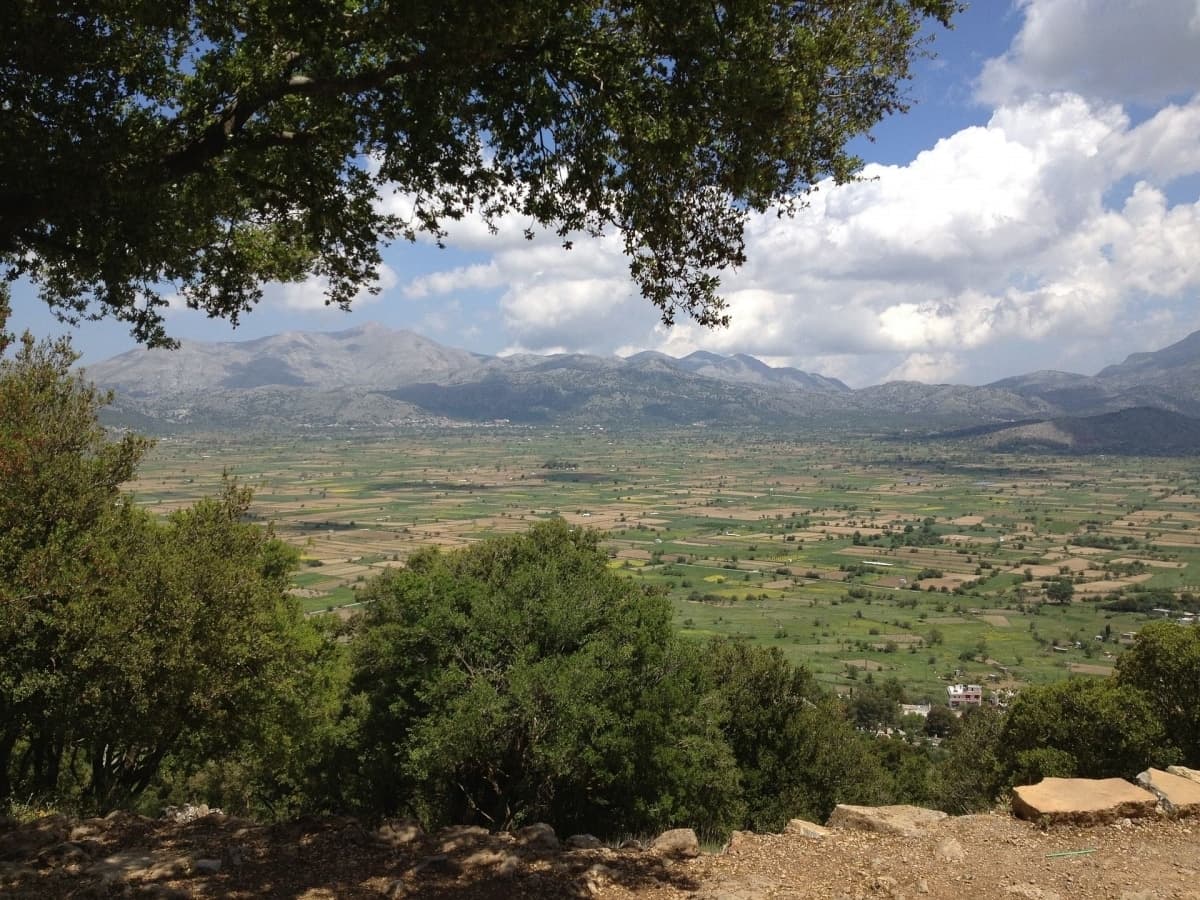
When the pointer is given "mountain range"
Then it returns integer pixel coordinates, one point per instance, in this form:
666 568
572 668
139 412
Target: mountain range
373 376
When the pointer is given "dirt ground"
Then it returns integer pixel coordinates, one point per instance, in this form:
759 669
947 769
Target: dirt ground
984 856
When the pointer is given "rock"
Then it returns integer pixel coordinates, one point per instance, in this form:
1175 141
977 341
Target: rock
680 843
1185 772
804 828
1082 801
188 813
399 832
207 866
583 842
538 836
1179 795
922 886
738 842
904 820
139 865
950 850
597 878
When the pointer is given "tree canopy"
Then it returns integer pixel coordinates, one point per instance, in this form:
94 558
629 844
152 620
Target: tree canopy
200 148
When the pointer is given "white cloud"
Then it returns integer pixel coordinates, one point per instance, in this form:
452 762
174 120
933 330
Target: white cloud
309 295
1143 51
1021 233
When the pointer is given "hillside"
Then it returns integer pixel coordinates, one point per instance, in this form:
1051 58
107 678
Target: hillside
989 857
1143 431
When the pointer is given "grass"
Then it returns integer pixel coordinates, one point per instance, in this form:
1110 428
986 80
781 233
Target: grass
720 513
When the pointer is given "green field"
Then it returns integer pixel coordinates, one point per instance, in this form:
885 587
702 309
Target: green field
860 558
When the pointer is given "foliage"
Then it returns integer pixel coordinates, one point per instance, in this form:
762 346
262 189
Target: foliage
1060 590
1096 728
968 778
1164 664
796 752
128 644
233 143
520 679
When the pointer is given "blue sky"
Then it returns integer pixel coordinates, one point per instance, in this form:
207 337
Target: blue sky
1039 207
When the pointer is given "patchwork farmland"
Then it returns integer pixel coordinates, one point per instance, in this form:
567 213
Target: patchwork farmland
862 559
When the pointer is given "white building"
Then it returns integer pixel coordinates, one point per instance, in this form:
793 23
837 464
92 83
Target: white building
960 695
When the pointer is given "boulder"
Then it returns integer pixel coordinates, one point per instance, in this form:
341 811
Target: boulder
1082 801
804 828
680 843
538 836
905 820
1179 796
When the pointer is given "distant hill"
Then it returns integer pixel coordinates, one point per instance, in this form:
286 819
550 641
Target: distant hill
374 376
1141 431
1166 379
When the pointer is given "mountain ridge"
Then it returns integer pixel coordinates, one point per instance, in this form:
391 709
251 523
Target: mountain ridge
372 375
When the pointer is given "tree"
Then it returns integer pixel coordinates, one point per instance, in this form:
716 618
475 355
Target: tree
521 679
203 148
941 722
1060 590
1164 663
127 644
797 754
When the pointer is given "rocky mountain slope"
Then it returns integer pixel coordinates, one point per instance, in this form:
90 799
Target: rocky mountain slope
374 376
1167 379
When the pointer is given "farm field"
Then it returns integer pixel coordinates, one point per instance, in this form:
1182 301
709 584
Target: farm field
861 558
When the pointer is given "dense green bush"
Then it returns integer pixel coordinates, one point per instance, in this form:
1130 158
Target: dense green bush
521 679
1087 727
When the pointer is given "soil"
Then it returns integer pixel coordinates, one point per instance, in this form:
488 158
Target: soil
960 858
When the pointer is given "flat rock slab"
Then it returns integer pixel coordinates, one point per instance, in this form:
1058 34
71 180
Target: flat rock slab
1185 772
1082 801
1180 796
804 828
906 820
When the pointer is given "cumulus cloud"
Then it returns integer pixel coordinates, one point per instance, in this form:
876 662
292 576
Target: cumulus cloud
309 295
1143 51
1052 224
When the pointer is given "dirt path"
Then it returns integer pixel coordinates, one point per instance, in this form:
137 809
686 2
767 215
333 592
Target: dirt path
987 856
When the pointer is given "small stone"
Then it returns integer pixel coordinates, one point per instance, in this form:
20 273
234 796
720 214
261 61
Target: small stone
804 828
922 886
597 878
950 850
680 843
